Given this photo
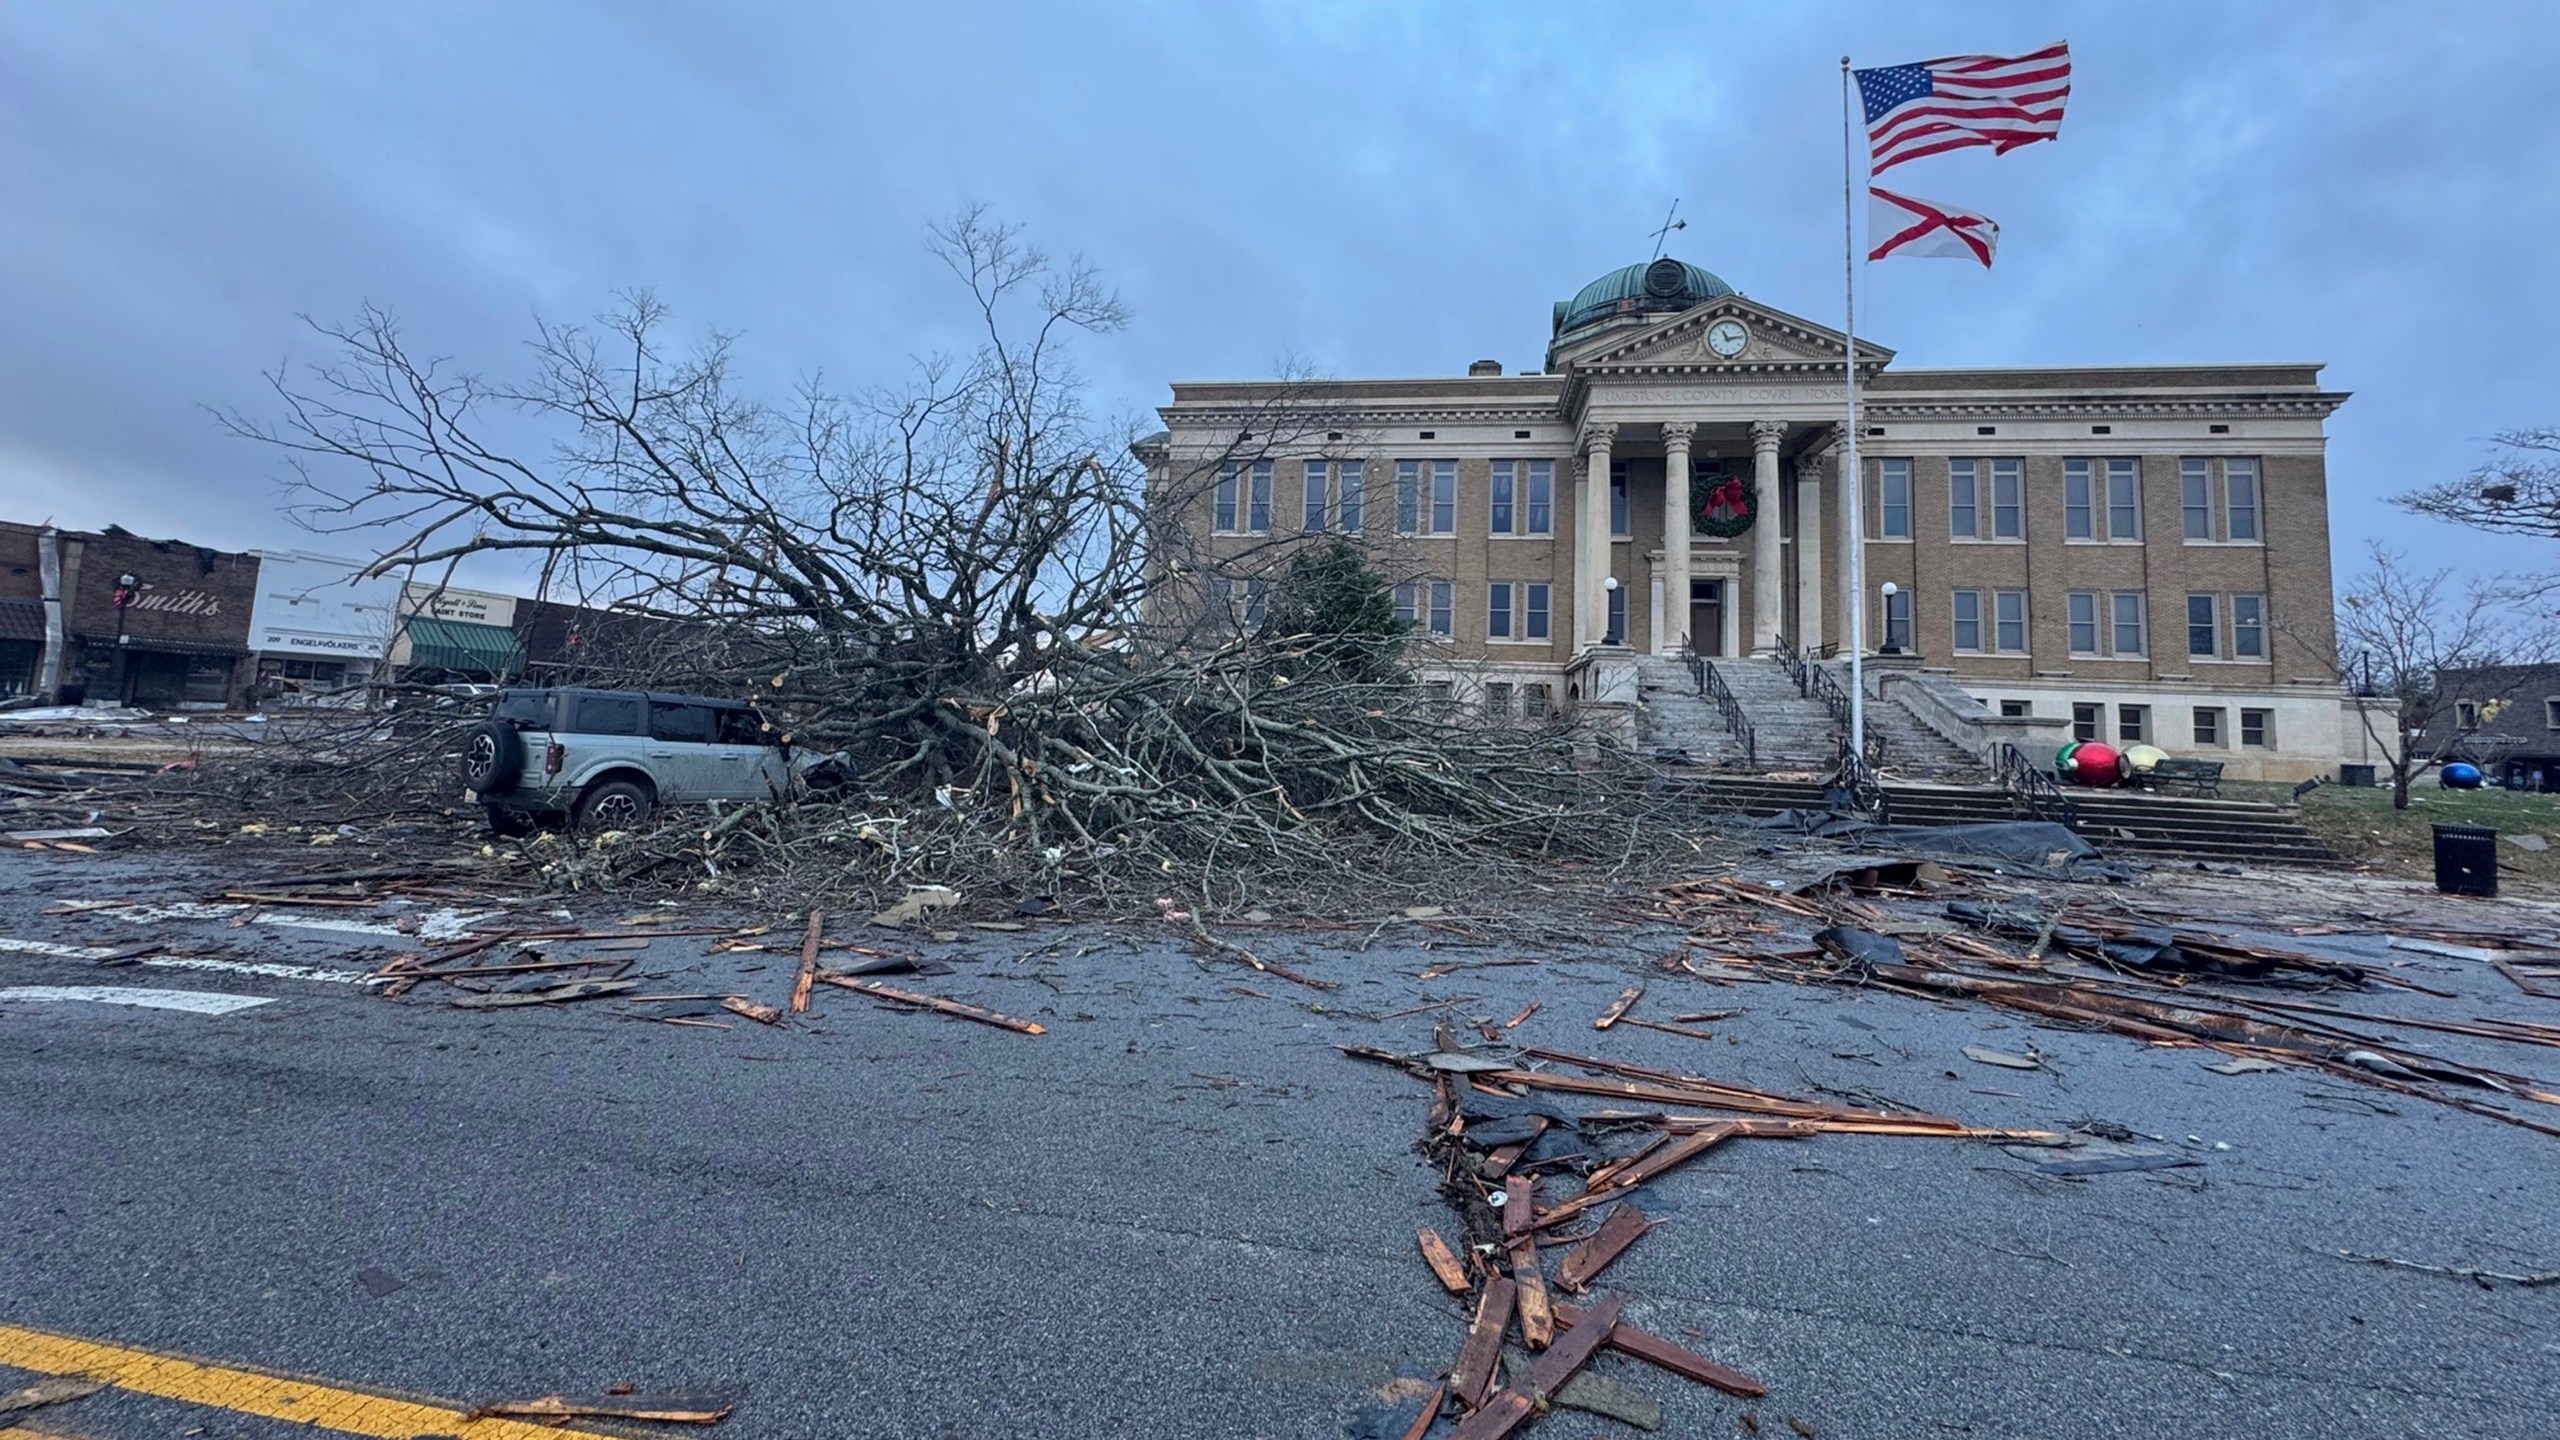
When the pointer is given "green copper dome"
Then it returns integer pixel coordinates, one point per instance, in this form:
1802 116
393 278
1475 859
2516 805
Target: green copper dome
1665 286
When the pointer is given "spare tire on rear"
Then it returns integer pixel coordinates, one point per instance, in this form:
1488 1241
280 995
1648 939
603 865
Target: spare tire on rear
492 758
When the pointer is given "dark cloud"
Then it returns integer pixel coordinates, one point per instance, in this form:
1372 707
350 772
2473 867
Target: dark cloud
1369 190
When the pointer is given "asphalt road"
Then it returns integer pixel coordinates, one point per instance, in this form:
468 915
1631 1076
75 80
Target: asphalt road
1181 1212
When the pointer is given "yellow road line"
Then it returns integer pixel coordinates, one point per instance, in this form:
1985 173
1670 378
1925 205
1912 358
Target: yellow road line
249 1392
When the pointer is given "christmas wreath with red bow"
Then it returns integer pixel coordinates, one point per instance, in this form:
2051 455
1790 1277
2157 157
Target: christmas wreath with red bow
1723 509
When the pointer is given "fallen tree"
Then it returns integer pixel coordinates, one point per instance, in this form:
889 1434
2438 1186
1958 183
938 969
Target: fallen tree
967 585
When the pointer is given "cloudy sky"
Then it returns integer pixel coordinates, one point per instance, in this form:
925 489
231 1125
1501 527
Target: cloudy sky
1364 189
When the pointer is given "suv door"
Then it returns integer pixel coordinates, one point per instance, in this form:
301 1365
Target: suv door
681 751
752 765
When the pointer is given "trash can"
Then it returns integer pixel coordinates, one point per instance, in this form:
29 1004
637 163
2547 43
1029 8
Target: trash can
2466 860
2360 776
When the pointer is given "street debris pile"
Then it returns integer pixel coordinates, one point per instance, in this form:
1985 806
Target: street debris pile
1499 1141
2104 962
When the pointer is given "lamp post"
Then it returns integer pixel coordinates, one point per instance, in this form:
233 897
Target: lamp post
126 584
1889 590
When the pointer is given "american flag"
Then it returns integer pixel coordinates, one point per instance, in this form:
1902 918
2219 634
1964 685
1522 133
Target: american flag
1938 105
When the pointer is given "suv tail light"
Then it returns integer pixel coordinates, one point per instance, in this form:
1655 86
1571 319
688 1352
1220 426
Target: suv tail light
553 757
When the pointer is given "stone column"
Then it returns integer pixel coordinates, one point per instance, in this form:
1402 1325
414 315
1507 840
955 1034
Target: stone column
1581 551
1676 535
1590 591
1768 582
1807 632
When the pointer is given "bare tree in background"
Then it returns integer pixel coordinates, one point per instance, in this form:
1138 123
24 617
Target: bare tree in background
965 582
2516 493
2401 632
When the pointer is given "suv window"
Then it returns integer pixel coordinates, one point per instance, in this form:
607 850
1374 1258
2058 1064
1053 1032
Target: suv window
742 727
669 720
606 715
526 707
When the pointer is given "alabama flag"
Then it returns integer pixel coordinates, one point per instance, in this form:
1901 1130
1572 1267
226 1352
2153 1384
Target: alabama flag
1900 225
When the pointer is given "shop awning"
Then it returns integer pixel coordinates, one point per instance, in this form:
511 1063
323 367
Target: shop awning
463 645
21 619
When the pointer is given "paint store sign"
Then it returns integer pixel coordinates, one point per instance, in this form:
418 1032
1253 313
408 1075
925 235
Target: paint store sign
174 602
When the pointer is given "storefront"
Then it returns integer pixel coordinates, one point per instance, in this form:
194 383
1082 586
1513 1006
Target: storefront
318 630
449 635
159 624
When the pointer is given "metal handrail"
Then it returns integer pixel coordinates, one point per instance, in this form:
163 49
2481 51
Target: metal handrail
1792 661
1859 779
1825 687
2034 789
1711 685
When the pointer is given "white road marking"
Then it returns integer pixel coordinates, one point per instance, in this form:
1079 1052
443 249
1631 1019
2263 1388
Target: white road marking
268 969
442 923
199 1002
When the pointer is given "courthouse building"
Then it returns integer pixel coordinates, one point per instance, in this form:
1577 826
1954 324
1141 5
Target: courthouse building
2134 553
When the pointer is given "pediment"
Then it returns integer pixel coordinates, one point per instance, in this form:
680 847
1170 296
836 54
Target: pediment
1779 342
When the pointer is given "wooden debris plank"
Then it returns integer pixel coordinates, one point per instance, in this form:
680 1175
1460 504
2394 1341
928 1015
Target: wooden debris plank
1666 1029
808 966
1623 1228
1525 1012
937 1003
1517 1202
1619 1007
741 1005
1471 1379
1498 1164
1537 1312
1652 1349
679 1409
1430 1412
1701 1016
1664 1088
1444 1263
1602 1178
1547 1374
1678 1152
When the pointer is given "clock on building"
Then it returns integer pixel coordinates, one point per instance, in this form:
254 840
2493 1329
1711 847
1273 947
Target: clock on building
1727 337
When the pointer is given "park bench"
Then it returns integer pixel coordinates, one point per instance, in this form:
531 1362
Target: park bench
2201 778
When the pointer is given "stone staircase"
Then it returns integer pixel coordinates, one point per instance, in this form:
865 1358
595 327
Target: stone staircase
2170 829
1792 732
1913 751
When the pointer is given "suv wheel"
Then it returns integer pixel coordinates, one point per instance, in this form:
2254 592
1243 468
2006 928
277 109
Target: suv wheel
616 805
492 758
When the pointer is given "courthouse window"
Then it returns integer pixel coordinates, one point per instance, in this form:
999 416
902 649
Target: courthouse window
2249 626
2201 637
1533 611
1257 513
1497 612
2128 622
1319 505
2257 728
2208 726
1617 615
2008 513
2124 499
2195 498
1502 504
1964 513
1893 499
1968 620
2009 618
1442 514
1443 608
1347 514
2084 622
2133 723
2240 498
1541 501
1225 519
2079 510
1621 519
2085 720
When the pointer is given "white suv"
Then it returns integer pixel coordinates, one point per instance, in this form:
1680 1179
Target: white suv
607 759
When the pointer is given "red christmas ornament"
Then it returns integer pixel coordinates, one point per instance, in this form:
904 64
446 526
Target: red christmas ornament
2092 764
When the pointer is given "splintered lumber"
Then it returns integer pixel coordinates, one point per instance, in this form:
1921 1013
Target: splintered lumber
1667 1029
1516 1205
1532 1008
1623 1228
1678 1152
1547 1374
1665 1088
937 1003
1619 1007
1652 1349
1537 1316
1444 1263
1430 1412
1472 1377
1606 1176
741 1005
808 966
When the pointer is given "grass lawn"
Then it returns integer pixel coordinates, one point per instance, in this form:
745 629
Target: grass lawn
2361 825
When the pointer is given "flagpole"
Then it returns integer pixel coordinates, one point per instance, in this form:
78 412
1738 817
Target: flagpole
1849 472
